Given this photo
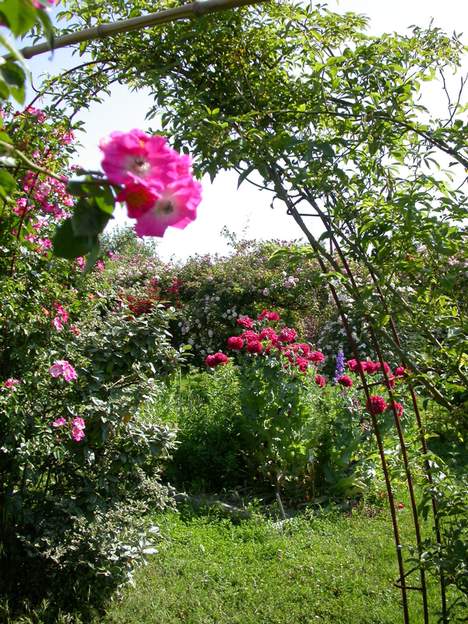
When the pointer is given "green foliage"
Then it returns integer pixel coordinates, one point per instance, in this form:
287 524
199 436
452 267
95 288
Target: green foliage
333 121
448 558
260 427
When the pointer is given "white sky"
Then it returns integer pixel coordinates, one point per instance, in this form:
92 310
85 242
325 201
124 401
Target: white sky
245 211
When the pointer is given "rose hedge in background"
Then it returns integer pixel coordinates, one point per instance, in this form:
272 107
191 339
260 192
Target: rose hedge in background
209 292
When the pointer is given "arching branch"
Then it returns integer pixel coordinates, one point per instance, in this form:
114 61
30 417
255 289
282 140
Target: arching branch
192 10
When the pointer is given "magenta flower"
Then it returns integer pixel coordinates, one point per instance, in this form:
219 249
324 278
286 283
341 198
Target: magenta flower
316 356
345 381
250 336
245 321
57 323
77 434
268 315
216 359
59 422
398 407
254 346
287 334
376 404
268 333
235 343
133 156
320 380
62 368
11 383
78 427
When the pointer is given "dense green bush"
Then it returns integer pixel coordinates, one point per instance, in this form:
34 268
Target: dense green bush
268 421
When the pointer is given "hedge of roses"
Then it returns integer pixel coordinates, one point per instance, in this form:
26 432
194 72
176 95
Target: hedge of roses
209 292
77 467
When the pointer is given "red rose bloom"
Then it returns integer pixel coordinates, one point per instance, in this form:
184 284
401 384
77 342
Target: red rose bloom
250 336
303 348
268 333
245 321
235 343
400 371
370 367
316 356
254 346
287 334
320 380
376 404
302 364
386 367
345 381
216 359
355 366
398 407
269 316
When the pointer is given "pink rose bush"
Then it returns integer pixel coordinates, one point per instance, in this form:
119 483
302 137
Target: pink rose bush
77 427
158 187
62 368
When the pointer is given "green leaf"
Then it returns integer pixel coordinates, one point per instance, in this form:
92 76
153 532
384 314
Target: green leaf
67 244
15 79
7 184
45 21
20 15
88 219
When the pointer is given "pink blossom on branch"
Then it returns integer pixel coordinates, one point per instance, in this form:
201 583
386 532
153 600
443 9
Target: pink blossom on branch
133 156
59 422
175 206
159 189
11 383
62 368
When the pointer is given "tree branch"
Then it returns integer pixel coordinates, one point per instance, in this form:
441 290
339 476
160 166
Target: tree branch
191 10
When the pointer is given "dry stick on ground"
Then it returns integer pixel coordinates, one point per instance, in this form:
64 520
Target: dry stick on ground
192 10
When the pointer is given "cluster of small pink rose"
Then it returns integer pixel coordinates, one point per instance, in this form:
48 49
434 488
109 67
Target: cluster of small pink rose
44 199
63 368
261 339
158 187
10 384
76 426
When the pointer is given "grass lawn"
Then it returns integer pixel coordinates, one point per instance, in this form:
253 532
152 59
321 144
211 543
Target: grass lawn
333 568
